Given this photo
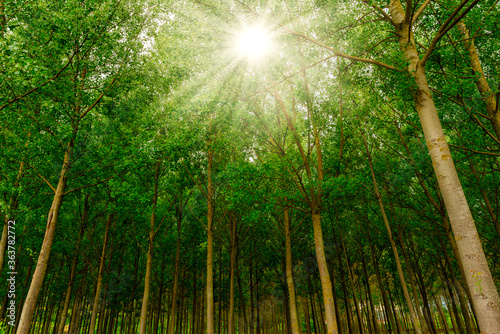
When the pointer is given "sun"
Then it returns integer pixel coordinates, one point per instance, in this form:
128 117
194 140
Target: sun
254 42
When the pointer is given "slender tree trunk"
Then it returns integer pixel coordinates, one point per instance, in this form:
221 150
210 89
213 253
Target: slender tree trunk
487 203
307 318
252 316
326 282
411 276
437 301
391 239
242 305
175 288
195 299
43 258
477 272
456 321
394 311
72 274
461 296
314 200
233 264
98 288
482 84
102 311
210 246
387 306
257 301
369 292
221 277
159 309
423 293
351 280
336 304
14 201
294 322
149 260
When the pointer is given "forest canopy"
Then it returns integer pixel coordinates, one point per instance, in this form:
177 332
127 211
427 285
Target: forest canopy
251 167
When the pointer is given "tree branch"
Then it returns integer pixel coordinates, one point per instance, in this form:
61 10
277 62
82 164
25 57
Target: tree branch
19 97
475 151
44 179
446 27
83 114
420 11
91 185
380 10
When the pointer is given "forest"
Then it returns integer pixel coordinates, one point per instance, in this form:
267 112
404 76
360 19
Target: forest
250 167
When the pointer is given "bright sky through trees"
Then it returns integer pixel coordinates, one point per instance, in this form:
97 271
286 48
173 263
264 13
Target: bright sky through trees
254 42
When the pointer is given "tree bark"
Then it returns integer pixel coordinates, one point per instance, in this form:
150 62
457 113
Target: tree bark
477 273
387 306
482 84
12 207
307 318
487 203
175 288
72 274
233 265
98 288
43 257
149 259
369 292
294 322
210 245
351 280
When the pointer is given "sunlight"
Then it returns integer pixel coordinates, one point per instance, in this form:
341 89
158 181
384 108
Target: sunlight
254 43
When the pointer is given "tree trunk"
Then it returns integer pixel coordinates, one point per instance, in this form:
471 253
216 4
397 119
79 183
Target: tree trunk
149 260
313 198
487 203
14 201
102 311
210 246
411 276
43 257
72 274
242 305
175 288
233 264
481 83
369 292
195 299
159 309
391 239
98 288
294 322
351 280
326 283
437 301
477 273
387 307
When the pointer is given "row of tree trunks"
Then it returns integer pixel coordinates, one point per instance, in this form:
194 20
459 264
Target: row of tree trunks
81 316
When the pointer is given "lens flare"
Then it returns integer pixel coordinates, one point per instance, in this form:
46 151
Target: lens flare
254 43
